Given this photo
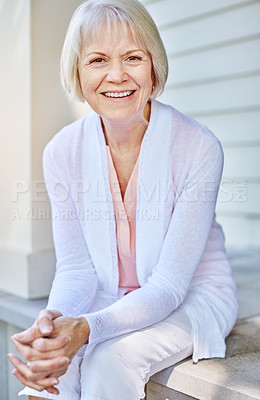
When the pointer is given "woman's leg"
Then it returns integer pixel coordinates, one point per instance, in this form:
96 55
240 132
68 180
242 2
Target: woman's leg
120 367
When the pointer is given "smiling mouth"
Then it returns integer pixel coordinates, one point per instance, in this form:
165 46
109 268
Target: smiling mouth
118 95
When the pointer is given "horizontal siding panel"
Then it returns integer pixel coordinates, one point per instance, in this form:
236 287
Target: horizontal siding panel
169 11
234 128
210 97
240 232
215 63
214 76
239 196
215 29
242 163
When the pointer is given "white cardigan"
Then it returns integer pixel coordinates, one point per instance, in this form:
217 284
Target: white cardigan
180 253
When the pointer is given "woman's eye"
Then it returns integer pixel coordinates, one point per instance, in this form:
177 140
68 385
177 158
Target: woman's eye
134 58
97 60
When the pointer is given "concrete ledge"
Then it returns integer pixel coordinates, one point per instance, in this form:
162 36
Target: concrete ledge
155 391
19 312
237 377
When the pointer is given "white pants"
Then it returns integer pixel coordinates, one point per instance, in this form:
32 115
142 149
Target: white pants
119 368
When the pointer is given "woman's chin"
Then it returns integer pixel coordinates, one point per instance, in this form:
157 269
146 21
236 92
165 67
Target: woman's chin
120 116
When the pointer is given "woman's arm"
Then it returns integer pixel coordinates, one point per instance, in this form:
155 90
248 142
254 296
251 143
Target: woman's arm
73 289
75 283
180 255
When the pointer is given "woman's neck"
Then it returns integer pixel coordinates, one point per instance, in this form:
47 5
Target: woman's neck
126 136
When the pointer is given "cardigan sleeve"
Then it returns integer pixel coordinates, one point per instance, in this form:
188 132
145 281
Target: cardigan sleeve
75 282
179 258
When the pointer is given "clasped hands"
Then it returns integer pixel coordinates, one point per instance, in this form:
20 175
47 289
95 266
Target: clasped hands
49 346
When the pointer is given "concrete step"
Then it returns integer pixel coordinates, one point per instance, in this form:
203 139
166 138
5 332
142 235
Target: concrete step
237 377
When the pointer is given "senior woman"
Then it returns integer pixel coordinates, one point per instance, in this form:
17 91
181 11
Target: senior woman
142 280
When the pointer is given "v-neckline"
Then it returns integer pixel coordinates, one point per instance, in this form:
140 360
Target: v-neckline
128 198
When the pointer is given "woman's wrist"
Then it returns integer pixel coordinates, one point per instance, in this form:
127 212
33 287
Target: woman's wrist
84 329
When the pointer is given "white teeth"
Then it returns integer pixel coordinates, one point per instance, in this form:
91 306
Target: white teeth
122 94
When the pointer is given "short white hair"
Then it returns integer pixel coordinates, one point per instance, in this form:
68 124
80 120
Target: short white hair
85 26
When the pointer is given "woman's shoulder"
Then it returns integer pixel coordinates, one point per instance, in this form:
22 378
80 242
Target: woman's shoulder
64 150
69 137
189 141
184 128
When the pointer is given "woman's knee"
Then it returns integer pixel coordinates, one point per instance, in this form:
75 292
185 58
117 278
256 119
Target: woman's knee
109 355
113 361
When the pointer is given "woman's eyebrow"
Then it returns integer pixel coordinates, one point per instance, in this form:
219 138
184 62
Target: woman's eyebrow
104 54
95 52
132 51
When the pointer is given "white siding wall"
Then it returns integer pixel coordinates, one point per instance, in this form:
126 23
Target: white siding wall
214 55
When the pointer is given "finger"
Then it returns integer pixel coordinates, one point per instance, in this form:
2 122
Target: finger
25 350
38 369
47 382
26 382
31 354
28 335
49 366
39 385
45 319
52 343
58 374
24 369
53 390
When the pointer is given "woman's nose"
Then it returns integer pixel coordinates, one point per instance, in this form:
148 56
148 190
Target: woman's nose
116 72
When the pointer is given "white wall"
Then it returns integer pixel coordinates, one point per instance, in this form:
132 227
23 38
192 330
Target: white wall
50 110
33 108
214 55
15 163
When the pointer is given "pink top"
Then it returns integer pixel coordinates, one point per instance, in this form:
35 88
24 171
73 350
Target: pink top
125 210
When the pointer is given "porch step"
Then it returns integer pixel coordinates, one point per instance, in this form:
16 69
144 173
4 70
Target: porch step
237 377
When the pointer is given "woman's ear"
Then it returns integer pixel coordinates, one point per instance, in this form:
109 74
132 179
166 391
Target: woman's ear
153 80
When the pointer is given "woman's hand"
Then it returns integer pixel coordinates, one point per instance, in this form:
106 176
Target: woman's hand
48 357
43 325
74 332
26 373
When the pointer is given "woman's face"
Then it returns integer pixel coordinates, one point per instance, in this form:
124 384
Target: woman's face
115 76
